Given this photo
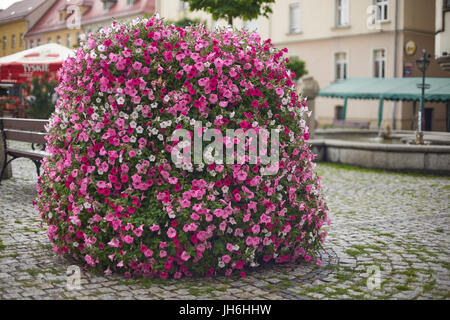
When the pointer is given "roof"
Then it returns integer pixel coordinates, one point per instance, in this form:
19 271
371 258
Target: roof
95 13
389 89
47 53
19 9
118 10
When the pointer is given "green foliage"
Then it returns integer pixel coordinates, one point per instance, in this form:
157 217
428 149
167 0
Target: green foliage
298 67
184 22
229 9
41 104
7 101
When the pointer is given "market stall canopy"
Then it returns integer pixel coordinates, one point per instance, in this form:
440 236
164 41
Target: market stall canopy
397 89
35 62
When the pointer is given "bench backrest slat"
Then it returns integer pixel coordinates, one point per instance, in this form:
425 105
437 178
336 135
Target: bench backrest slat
35 125
25 136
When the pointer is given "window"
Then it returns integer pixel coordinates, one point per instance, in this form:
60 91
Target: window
379 57
38 42
58 39
184 5
382 10
428 119
446 5
107 4
294 18
31 43
13 41
49 40
342 13
340 65
4 42
68 41
130 3
339 113
21 40
251 25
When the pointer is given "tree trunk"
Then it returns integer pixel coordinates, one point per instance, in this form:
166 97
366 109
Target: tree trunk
230 20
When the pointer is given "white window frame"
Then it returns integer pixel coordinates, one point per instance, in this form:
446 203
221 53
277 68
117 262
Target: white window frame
31 43
342 13
130 3
293 29
13 41
377 60
38 42
339 61
184 5
68 40
382 14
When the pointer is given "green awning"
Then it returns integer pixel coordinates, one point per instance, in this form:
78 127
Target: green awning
389 89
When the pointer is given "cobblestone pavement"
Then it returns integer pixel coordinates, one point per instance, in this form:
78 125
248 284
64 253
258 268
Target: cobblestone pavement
389 239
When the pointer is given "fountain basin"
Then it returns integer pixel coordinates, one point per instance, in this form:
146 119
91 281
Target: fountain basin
363 149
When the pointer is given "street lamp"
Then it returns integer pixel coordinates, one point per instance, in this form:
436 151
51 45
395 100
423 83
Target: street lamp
422 63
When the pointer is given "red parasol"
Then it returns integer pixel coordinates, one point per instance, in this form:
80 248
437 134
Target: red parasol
24 66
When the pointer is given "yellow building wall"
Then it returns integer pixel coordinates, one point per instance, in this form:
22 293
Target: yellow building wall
52 37
9 29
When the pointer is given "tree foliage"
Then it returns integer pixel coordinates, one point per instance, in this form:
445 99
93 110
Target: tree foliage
41 102
230 9
184 22
297 66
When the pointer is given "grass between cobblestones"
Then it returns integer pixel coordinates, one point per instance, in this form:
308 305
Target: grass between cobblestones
397 223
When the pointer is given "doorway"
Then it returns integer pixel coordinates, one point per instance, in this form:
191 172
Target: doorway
428 119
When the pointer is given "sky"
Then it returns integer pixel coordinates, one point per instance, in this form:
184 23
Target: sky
6 3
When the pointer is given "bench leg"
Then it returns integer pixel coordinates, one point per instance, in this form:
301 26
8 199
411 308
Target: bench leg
5 164
3 170
37 163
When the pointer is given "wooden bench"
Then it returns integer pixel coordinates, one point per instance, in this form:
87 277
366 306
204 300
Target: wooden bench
350 124
24 130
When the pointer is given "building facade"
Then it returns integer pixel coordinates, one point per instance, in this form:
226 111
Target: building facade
66 20
443 34
105 11
339 39
16 20
361 38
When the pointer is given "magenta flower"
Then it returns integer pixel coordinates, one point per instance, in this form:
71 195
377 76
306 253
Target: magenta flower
171 233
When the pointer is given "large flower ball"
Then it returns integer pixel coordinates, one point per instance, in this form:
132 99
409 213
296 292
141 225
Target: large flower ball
114 195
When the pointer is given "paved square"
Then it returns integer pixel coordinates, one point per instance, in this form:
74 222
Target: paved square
389 239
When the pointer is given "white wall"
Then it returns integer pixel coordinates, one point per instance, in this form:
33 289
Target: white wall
442 43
